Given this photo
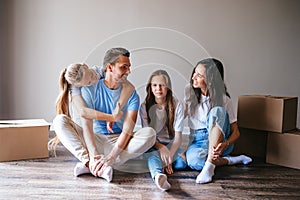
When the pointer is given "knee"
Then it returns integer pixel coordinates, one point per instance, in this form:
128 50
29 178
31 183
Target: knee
151 134
218 111
196 158
180 163
59 121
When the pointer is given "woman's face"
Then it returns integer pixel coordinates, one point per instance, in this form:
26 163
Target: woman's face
159 87
89 77
199 77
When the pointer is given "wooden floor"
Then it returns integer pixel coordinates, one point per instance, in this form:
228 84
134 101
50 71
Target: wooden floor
52 178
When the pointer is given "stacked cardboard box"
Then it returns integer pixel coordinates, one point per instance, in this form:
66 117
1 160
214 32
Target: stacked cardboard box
23 139
269 121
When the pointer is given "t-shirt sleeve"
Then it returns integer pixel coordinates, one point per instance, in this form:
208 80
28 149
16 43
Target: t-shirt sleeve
87 95
230 110
179 117
133 101
75 90
100 71
143 115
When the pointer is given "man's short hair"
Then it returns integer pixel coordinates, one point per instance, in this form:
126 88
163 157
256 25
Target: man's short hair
112 55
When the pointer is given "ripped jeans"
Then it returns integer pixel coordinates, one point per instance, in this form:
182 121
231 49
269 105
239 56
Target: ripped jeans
197 150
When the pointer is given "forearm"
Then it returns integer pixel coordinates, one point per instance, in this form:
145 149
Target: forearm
120 145
235 133
89 137
176 144
89 113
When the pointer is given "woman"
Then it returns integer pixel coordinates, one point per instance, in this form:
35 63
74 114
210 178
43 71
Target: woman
211 120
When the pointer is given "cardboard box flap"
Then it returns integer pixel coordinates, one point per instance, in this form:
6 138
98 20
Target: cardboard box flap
23 123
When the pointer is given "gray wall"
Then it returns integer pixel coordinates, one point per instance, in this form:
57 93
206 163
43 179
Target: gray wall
258 42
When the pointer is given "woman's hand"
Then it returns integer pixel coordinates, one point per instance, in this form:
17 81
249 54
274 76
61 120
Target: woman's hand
218 150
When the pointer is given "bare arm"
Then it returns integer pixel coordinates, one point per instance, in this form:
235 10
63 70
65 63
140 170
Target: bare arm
126 92
124 138
176 144
89 113
235 133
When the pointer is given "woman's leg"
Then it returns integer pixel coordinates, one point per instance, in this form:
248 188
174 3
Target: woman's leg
218 127
196 153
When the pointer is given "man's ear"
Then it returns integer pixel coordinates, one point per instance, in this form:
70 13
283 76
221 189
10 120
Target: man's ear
109 67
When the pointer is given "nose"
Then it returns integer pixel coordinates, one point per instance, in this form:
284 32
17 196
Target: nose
128 70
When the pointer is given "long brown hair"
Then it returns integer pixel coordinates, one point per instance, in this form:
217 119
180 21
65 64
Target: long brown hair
215 84
150 103
70 75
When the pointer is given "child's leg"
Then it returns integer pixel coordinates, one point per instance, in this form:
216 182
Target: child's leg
155 168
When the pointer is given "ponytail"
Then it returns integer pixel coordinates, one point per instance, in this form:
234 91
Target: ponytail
62 106
62 101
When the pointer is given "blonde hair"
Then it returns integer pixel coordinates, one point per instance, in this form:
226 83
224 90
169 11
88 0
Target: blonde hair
71 75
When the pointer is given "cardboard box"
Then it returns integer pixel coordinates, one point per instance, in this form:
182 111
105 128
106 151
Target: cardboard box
283 149
252 143
23 139
267 113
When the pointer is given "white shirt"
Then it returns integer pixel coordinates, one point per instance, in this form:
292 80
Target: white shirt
198 120
162 133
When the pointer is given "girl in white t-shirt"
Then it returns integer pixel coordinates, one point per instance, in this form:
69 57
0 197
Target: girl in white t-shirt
163 112
211 120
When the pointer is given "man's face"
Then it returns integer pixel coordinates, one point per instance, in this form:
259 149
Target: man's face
121 69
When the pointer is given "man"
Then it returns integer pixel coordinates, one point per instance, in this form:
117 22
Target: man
106 148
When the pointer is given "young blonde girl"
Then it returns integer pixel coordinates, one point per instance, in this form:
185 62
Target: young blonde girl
71 104
163 112
211 119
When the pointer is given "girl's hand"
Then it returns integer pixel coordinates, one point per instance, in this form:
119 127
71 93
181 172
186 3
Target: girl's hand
169 169
165 155
117 113
109 126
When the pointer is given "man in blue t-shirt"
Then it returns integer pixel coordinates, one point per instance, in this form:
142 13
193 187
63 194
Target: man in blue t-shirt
112 148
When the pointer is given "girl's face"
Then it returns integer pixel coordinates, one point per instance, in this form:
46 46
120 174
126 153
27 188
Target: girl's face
159 87
199 77
89 77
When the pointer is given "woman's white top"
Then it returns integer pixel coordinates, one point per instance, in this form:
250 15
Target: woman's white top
198 120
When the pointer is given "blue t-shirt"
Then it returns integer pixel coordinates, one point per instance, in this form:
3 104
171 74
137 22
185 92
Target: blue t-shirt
100 97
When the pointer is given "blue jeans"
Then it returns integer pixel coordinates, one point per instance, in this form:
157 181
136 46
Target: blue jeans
155 164
197 150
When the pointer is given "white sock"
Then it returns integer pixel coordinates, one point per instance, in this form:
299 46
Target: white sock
162 182
232 160
80 169
207 173
107 173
